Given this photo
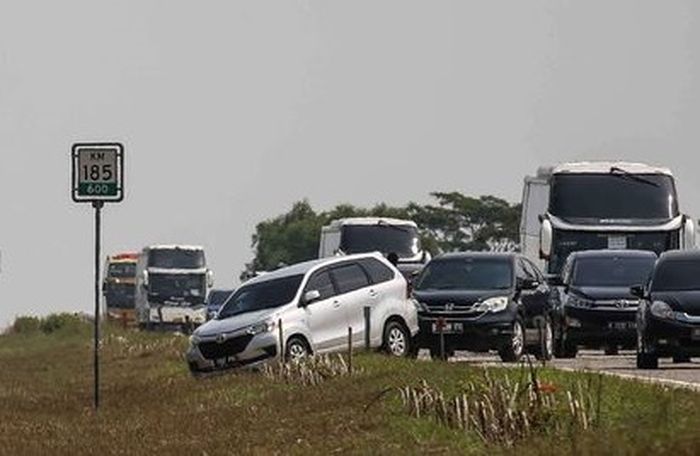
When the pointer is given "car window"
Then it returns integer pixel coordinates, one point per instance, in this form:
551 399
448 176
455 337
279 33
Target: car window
377 271
321 281
349 277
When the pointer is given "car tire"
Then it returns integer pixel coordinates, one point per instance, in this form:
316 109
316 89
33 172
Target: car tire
646 358
681 359
545 349
296 349
515 347
397 340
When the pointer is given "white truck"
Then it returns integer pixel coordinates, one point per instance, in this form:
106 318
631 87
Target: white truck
375 234
600 205
172 285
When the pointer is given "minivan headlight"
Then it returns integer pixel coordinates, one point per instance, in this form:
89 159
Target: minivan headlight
262 327
494 305
661 309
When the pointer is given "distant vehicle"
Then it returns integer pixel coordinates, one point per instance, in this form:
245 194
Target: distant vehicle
316 301
375 234
600 205
668 318
172 285
594 306
119 287
215 299
481 302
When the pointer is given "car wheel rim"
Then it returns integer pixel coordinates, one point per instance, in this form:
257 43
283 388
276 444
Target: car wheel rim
517 341
297 352
397 342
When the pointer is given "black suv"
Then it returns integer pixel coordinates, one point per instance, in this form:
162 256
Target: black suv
593 305
481 302
668 318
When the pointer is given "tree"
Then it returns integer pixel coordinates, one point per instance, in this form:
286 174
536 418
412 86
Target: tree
455 223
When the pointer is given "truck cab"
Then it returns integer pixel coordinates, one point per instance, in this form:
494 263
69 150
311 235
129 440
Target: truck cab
389 236
172 285
601 205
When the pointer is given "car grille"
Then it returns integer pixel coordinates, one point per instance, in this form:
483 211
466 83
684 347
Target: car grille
229 347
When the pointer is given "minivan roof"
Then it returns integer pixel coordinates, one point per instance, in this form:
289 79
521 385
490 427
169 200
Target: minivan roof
306 266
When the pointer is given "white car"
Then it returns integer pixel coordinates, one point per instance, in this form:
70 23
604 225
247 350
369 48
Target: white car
316 302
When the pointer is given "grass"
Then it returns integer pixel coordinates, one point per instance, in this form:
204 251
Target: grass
151 405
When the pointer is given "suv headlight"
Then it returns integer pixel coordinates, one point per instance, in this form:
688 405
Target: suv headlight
576 301
660 309
494 305
262 327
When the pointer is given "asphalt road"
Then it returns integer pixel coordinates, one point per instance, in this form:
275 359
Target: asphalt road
683 375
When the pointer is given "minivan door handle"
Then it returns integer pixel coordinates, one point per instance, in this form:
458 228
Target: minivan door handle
373 294
336 304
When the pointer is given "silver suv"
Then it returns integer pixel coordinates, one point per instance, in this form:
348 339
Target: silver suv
316 302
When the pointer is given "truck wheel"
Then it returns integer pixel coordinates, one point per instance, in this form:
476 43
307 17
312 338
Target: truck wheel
513 350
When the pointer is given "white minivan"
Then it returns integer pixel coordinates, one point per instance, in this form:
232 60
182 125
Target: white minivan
316 302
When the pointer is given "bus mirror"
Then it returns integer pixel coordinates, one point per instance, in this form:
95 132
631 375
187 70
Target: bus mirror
210 278
688 233
144 279
546 239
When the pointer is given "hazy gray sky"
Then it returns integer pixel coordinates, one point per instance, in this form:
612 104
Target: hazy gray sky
231 110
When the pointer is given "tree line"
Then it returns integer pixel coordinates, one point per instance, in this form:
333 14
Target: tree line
451 222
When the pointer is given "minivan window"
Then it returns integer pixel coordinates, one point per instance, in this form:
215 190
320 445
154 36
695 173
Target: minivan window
349 277
377 271
261 295
611 272
321 282
677 275
467 274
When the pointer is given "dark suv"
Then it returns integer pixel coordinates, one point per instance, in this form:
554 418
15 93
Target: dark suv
592 304
668 318
481 302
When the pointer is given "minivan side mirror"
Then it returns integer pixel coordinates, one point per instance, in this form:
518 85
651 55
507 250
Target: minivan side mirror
637 291
309 297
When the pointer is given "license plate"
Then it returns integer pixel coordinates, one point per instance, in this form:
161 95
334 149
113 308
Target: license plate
622 325
695 334
617 242
448 328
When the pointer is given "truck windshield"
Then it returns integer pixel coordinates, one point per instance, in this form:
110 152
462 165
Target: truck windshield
400 239
467 274
613 196
678 275
122 270
262 295
612 271
176 258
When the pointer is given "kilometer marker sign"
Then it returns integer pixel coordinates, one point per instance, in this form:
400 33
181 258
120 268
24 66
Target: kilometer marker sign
98 172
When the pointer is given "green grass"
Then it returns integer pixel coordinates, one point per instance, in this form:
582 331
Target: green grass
151 405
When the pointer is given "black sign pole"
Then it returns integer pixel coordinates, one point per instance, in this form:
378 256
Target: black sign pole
98 213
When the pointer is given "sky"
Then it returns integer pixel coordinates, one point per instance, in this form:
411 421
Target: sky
230 111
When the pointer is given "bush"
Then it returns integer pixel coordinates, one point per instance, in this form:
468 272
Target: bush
23 325
48 324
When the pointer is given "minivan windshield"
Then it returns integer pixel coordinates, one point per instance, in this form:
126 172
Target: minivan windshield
382 237
677 275
613 196
261 295
176 258
612 271
466 274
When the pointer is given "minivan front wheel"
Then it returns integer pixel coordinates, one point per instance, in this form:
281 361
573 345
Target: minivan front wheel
397 340
513 349
296 350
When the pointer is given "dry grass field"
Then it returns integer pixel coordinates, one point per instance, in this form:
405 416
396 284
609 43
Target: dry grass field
151 405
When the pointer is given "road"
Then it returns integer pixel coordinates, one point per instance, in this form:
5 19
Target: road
683 375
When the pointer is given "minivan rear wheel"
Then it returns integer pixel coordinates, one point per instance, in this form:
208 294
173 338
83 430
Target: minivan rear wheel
397 340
